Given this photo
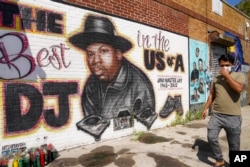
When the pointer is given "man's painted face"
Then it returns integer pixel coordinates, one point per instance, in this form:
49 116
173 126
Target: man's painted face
104 61
194 65
200 65
197 52
195 92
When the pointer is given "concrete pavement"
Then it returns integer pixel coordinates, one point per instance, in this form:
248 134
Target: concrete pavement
178 146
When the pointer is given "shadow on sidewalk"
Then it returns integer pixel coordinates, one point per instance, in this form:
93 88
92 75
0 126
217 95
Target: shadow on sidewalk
204 152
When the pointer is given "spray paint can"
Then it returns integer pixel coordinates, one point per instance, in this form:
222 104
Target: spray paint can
5 162
42 158
49 156
37 159
20 162
45 156
15 163
26 160
54 154
10 163
33 158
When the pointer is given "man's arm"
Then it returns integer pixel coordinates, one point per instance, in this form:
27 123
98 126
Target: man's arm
209 102
236 86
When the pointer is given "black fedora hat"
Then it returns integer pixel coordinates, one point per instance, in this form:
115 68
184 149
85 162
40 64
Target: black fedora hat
99 29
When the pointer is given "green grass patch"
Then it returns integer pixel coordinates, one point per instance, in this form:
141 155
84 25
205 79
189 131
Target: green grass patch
190 116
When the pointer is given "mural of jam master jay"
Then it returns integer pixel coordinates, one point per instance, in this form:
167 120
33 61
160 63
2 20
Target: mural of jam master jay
116 88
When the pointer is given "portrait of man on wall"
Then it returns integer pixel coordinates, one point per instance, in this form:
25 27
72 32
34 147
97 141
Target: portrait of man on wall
116 88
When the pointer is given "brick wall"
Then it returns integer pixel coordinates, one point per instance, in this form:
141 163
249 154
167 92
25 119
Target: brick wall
143 11
44 74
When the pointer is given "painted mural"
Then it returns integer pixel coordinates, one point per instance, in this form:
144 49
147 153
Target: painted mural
116 88
67 71
200 76
237 52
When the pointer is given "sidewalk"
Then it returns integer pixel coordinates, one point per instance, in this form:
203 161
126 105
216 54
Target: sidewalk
183 146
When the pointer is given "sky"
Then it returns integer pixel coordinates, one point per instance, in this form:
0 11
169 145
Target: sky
233 2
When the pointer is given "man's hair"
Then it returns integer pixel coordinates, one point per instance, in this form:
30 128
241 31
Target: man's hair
227 57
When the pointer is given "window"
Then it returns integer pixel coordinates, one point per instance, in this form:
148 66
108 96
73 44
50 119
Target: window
217 7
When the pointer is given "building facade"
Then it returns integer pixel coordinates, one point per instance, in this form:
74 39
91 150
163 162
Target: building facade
165 57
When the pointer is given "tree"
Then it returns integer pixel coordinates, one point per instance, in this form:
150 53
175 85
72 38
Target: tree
244 6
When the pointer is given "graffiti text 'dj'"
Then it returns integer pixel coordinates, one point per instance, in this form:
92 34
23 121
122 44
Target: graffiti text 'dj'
17 120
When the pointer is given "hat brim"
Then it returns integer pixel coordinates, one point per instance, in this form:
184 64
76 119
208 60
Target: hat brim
82 40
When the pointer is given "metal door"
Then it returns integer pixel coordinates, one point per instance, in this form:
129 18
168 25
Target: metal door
216 51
